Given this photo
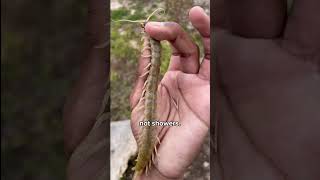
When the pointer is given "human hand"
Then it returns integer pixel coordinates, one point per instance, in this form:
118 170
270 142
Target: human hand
183 96
269 82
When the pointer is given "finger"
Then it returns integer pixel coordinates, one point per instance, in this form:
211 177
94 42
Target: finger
182 45
201 21
204 72
175 62
304 24
257 19
143 62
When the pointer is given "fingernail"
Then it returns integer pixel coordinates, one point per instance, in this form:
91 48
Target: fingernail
197 7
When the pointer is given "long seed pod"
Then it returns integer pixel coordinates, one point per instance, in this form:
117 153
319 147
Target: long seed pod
148 137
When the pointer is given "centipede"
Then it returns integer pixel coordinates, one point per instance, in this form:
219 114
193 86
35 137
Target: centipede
148 139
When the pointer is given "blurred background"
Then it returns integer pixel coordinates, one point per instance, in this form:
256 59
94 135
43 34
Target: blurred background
126 43
41 46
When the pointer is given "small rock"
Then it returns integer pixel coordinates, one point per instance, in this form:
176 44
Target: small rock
122 147
206 164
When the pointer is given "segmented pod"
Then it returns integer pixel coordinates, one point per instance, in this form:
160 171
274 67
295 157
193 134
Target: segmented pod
148 139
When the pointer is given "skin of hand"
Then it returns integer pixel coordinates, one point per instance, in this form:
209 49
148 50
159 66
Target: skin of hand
268 95
183 96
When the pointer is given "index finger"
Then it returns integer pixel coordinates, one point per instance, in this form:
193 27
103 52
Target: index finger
183 46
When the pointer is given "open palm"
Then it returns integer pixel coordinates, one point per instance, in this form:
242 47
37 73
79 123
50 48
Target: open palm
183 96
